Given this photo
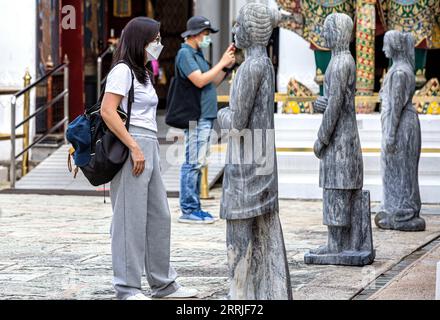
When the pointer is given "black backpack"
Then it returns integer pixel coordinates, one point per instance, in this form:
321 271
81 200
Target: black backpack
108 153
183 102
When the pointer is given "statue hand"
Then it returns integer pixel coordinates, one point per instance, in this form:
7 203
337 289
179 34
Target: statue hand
320 104
221 111
223 118
318 148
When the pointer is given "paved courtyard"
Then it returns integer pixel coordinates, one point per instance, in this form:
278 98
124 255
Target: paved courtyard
58 247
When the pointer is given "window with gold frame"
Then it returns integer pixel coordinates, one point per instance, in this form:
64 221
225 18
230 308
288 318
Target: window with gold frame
122 8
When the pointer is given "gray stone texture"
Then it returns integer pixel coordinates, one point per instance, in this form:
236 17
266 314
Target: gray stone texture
247 194
256 253
355 247
346 207
401 139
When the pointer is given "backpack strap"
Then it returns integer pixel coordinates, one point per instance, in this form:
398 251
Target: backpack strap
179 74
130 99
130 93
177 71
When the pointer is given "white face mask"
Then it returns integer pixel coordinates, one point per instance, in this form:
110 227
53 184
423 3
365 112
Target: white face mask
153 51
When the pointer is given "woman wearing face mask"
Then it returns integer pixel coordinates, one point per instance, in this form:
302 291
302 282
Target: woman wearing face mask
141 218
193 65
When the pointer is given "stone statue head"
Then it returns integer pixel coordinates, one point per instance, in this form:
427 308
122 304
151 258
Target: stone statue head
254 25
338 30
397 43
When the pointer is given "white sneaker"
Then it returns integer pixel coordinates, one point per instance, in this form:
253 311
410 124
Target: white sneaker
183 292
138 296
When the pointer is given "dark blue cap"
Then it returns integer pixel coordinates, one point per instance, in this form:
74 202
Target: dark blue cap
196 25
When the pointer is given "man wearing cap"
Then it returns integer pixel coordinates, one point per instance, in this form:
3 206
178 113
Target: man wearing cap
192 64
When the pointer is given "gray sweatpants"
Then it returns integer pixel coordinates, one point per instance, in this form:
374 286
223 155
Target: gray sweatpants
141 225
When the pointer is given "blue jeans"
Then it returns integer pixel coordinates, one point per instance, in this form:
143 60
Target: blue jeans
196 152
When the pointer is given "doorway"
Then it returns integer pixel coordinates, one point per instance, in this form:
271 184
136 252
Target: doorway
111 19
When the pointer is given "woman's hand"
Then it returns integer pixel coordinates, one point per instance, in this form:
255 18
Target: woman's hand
138 160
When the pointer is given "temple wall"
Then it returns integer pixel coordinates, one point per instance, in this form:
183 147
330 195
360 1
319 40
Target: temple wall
18 53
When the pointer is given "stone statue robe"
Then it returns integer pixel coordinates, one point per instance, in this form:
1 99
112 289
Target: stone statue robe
341 166
257 260
250 183
400 122
256 252
346 208
341 162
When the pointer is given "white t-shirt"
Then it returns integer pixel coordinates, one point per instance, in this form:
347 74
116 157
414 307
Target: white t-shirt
143 109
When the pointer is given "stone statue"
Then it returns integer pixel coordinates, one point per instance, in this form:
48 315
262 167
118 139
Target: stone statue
401 139
346 207
256 253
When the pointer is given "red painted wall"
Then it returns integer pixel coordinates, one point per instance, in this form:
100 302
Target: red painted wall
72 44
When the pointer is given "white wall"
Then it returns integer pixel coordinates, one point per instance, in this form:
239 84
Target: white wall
296 60
17 52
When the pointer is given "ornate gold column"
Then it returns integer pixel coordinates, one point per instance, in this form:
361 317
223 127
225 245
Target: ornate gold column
365 50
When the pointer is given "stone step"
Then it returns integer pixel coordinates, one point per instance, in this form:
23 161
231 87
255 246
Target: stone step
306 162
366 122
367 144
3 174
306 186
301 130
42 151
298 171
52 175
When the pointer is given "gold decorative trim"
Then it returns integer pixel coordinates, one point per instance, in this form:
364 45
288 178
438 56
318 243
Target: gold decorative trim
221 148
375 98
122 8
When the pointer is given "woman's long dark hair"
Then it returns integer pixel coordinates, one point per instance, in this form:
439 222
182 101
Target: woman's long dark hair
137 34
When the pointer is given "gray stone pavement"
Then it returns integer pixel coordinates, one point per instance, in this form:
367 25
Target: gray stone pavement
58 247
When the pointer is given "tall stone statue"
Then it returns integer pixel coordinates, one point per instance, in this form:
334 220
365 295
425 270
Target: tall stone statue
256 253
401 139
346 207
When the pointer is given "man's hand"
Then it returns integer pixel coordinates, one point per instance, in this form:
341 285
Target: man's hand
231 49
228 59
318 148
320 104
